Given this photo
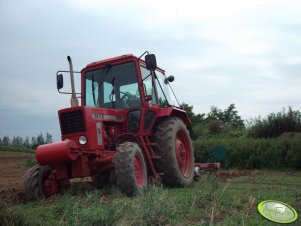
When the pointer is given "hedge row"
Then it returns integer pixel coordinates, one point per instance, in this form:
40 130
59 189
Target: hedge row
248 153
242 153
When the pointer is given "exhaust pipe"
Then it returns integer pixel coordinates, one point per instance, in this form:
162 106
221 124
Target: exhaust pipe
74 100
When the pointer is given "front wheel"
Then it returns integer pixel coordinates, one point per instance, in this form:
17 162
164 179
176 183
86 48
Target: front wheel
174 146
130 168
34 182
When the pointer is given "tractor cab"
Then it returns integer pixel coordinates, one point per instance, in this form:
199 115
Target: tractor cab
112 86
126 82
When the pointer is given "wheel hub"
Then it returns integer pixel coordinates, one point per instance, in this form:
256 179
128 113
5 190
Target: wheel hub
183 154
51 186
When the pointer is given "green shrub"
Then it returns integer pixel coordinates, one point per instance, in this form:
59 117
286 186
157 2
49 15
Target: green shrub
276 124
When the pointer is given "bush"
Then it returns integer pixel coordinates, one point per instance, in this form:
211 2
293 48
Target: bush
276 124
248 153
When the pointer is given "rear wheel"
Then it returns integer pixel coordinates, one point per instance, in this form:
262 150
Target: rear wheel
34 182
174 146
130 168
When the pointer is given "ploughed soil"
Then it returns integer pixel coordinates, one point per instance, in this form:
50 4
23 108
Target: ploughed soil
225 175
12 171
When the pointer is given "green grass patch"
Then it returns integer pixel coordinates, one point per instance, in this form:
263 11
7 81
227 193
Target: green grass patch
30 162
210 201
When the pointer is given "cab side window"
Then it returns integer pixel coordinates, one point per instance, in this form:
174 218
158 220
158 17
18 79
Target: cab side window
148 85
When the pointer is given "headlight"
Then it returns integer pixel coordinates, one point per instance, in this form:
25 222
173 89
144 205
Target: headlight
82 140
66 139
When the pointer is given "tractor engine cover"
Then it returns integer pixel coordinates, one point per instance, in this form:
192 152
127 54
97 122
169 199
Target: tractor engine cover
58 152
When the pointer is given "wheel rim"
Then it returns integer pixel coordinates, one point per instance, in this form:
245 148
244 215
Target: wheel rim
183 153
50 185
139 173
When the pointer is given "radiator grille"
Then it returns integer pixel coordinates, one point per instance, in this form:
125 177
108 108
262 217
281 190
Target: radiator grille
72 122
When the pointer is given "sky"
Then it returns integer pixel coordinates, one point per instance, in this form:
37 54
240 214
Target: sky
220 52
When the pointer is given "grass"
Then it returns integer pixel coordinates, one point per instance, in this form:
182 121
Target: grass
210 201
30 162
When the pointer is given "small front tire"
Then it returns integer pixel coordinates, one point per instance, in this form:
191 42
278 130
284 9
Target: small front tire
34 182
130 168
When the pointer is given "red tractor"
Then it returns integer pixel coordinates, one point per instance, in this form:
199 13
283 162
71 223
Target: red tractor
129 126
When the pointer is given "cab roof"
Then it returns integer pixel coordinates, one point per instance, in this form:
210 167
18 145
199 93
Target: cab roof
111 60
116 59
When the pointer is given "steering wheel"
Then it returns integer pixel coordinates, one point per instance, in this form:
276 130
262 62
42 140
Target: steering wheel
125 96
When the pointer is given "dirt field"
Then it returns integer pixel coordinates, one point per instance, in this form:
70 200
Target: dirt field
12 170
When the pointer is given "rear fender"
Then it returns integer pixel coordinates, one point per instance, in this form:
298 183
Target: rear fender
176 112
182 115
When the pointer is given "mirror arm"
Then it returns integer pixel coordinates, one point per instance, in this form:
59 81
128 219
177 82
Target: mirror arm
143 54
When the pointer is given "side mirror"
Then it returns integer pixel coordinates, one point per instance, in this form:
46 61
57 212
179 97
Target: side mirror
59 81
169 79
150 61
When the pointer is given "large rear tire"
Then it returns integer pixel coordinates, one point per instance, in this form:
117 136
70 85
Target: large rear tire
130 168
174 146
34 181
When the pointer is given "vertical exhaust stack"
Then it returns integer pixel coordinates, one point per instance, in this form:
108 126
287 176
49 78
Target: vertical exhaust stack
74 100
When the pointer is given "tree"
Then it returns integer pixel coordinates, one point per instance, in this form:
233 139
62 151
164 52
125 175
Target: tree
17 141
26 142
34 143
40 139
229 116
48 138
196 119
6 141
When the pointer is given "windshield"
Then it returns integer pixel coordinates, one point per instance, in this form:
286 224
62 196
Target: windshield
113 86
165 93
